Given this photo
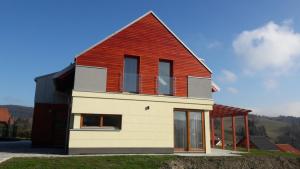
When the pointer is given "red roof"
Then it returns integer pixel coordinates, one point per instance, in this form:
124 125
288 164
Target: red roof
288 148
5 116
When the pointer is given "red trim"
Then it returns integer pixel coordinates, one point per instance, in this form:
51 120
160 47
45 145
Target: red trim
233 133
222 133
247 132
227 111
212 123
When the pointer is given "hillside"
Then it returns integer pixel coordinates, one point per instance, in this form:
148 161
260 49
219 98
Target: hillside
282 129
19 111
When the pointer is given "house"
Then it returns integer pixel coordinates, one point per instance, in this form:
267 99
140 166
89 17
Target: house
140 90
260 142
6 120
288 148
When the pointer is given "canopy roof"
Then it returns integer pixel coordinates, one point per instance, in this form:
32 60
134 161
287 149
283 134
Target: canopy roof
227 111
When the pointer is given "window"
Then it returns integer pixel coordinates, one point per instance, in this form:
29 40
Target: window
131 75
91 120
101 121
165 78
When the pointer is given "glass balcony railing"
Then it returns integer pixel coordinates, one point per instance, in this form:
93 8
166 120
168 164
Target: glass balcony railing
165 85
135 83
131 83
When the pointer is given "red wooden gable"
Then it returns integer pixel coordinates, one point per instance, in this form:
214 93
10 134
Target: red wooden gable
150 40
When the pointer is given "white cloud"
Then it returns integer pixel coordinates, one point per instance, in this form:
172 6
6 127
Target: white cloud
272 47
227 76
232 90
270 84
287 109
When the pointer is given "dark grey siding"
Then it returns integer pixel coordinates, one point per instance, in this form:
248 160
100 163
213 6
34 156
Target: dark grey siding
45 91
90 79
199 87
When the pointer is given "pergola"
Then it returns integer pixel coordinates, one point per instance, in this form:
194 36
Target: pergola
221 111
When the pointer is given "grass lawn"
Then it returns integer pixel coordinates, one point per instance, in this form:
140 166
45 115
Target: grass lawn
103 162
119 162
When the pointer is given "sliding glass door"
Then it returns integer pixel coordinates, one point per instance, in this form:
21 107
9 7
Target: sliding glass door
188 131
180 130
196 136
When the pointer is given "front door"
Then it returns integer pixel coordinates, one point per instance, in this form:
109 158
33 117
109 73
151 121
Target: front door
188 130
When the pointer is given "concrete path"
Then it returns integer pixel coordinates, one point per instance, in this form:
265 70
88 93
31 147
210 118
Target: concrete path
214 153
24 149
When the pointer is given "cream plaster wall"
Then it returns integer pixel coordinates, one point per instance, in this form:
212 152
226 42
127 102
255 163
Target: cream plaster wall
141 128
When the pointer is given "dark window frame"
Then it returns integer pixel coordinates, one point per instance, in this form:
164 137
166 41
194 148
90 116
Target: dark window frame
101 121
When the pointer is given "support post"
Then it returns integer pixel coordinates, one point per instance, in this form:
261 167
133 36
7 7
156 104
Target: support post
212 124
207 132
222 133
233 133
188 131
247 132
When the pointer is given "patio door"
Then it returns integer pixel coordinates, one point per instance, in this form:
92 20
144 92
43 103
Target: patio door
188 131
180 130
196 130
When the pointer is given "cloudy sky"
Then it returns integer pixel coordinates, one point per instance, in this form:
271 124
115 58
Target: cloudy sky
253 47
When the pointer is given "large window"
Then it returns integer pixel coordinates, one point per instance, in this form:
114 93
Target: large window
165 79
101 121
131 75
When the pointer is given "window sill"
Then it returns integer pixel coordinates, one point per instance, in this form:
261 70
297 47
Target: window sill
96 129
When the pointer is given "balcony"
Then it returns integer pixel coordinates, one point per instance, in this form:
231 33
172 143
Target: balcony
89 79
193 87
135 83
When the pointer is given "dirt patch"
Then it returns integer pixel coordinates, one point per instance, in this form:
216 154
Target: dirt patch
233 163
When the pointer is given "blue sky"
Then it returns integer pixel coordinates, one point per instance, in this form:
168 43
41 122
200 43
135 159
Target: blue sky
253 47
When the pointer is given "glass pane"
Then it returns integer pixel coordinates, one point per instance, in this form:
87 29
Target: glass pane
180 129
165 78
196 130
91 120
112 121
131 78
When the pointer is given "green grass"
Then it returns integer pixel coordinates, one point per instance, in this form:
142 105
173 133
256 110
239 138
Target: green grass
103 162
115 162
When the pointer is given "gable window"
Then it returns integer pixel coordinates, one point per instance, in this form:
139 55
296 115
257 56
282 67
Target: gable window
106 121
131 75
165 78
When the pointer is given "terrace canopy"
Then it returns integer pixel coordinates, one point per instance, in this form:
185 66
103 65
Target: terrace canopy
222 111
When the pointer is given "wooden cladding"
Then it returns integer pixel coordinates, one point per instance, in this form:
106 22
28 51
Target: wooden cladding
151 41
